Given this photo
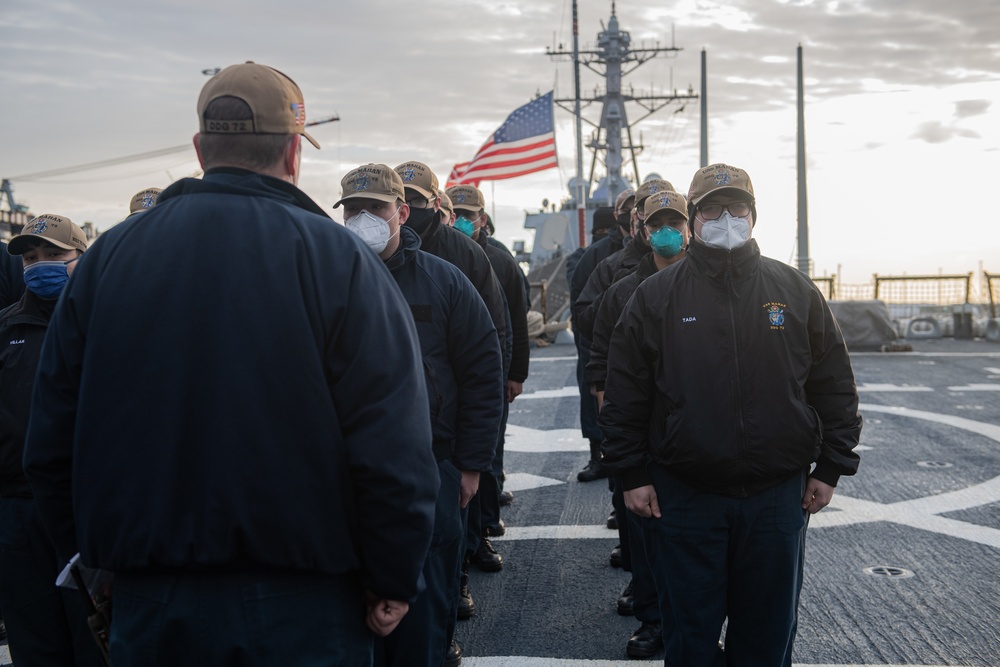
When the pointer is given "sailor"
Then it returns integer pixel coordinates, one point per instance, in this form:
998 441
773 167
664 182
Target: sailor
230 411
730 413
578 272
665 227
463 371
46 625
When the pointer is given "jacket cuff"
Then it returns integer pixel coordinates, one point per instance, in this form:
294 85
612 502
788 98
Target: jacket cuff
635 477
826 473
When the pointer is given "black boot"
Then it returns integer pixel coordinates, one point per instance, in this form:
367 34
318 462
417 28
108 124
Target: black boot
454 657
595 469
645 642
466 605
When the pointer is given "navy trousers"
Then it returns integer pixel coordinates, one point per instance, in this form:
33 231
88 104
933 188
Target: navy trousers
237 620
425 633
588 402
716 557
491 485
647 607
624 525
46 625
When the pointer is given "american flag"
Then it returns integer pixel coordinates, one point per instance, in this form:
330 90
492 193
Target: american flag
524 144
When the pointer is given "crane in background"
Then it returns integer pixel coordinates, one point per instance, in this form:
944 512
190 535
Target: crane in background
15 216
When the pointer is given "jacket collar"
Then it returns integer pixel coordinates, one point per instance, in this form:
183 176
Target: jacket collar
409 244
616 237
719 264
244 182
647 267
30 309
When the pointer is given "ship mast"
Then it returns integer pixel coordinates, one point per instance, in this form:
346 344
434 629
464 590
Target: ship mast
613 59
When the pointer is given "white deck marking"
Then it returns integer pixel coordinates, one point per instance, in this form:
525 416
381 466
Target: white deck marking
893 387
525 661
975 387
923 513
550 393
533 440
522 481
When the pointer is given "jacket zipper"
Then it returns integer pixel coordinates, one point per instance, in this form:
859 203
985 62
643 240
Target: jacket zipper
744 454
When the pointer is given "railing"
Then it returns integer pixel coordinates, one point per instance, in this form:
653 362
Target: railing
993 288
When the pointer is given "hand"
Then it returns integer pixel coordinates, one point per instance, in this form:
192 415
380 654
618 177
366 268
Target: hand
514 390
643 501
817 496
384 615
600 400
468 487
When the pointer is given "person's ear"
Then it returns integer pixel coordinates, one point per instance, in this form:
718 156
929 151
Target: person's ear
197 149
293 153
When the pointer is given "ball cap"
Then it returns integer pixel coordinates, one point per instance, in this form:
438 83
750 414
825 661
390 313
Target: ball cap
668 200
144 199
274 99
371 181
57 230
622 198
419 177
716 177
466 197
446 204
651 187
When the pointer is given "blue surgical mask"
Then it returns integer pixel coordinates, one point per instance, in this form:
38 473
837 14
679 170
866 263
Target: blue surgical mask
46 279
465 226
666 241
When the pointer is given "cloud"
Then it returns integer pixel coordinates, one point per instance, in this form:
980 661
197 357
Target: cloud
969 108
934 132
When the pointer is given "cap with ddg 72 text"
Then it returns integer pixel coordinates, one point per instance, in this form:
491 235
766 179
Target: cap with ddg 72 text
717 177
467 198
274 99
371 181
57 230
418 176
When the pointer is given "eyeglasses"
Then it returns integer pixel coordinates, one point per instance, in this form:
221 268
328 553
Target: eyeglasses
739 209
423 202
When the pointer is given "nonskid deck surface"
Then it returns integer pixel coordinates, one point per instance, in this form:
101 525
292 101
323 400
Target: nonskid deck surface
902 569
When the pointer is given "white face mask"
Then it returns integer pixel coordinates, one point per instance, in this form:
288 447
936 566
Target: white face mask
726 231
373 230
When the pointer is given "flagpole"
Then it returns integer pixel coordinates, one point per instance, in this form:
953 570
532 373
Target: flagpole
493 203
581 196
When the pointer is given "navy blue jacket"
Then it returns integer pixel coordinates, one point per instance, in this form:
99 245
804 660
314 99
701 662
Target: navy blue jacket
22 330
463 366
231 380
11 277
511 279
609 309
524 277
456 248
592 256
729 370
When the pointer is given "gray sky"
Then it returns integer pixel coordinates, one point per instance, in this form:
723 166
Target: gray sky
901 117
